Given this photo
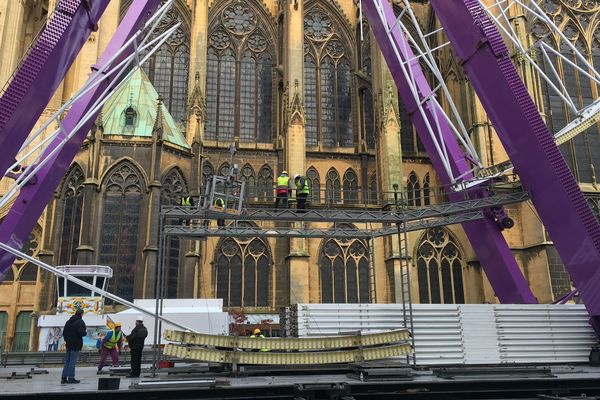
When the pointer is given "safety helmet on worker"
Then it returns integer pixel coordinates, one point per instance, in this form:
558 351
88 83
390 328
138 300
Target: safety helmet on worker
117 324
256 331
296 176
284 173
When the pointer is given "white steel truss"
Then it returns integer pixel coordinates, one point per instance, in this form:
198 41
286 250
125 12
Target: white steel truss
581 117
120 74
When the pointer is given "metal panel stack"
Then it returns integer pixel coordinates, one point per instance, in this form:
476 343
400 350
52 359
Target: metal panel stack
460 334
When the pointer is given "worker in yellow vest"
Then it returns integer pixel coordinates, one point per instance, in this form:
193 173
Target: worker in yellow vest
283 190
258 334
112 342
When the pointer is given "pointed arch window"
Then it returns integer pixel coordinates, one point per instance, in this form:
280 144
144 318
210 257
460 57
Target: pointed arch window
168 68
413 189
368 118
332 187
314 184
173 188
439 268
265 184
344 270
373 188
426 190
582 153
328 83
243 272
350 187
123 191
240 55
28 272
207 172
247 175
72 206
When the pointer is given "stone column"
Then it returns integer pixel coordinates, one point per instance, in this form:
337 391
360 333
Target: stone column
389 156
86 251
294 140
12 25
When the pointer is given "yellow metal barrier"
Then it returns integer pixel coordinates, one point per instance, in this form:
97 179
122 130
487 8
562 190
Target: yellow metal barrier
309 343
293 358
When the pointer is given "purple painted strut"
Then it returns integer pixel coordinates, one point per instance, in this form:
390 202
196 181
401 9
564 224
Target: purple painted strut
32 199
529 144
42 70
490 246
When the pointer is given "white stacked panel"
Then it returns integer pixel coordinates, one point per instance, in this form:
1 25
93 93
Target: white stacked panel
543 333
463 334
480 334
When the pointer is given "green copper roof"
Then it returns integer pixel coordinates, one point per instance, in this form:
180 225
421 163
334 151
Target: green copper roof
141 96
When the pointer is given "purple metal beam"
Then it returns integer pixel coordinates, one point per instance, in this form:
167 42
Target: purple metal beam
32 199
529 144
41 71
490 246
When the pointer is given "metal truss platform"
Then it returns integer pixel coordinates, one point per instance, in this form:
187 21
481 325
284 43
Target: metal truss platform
412 219
304 230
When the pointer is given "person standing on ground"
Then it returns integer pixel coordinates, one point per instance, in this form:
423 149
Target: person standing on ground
301 192
111 342
283 189
136 345
73 334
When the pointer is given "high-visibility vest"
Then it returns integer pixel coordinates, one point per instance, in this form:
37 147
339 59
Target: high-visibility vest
283 182
262 337
113 340
186 201
302 189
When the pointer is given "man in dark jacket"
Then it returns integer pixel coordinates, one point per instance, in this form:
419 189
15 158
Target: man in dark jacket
73 334
136 345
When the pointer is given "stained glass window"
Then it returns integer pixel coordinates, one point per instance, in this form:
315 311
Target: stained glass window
173 188
314 184
413 189
332 187
168 68
344 270
240 54
582 153
439 268
265 184
328 83
243 272
72 203
350 187
120 227
247 175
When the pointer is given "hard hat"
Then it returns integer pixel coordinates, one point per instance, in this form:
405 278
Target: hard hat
256 331
296 176
140 318
117 324
284 173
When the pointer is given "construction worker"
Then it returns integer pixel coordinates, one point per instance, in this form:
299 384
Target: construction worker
187 201
258 334
136 345
219 204
109 345
301 192
283 190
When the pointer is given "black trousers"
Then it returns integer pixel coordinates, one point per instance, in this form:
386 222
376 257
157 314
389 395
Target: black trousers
301 199
136 362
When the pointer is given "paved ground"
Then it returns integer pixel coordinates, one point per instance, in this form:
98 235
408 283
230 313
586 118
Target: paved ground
50 383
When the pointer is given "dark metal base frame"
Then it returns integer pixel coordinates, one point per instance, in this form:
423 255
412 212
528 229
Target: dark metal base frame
342 387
